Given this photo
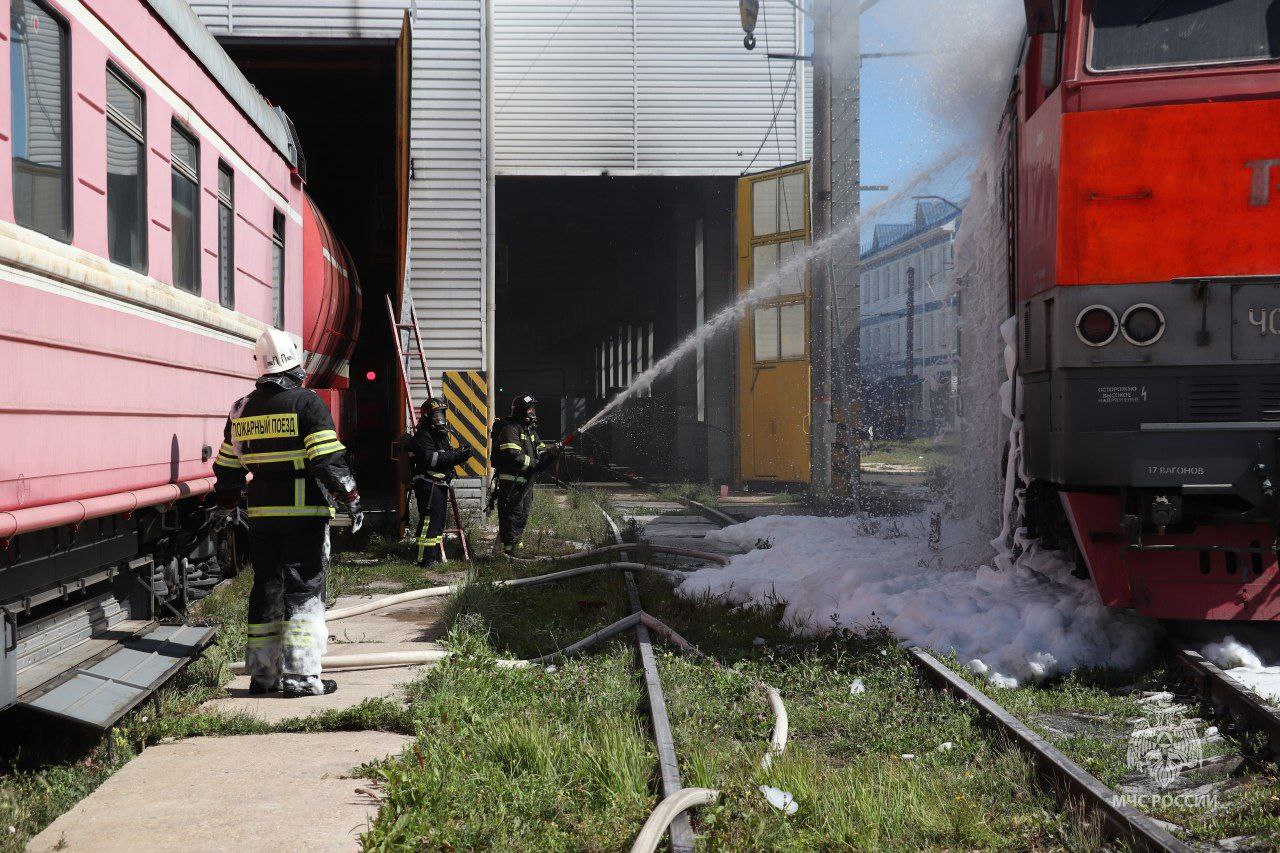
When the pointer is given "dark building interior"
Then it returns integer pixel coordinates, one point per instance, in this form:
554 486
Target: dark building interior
598 277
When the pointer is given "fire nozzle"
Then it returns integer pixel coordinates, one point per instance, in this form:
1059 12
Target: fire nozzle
569 439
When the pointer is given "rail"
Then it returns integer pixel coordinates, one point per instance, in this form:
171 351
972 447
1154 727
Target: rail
628 476
1060 773
1228 697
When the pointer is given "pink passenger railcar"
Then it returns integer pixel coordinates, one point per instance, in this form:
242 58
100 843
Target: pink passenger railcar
151 226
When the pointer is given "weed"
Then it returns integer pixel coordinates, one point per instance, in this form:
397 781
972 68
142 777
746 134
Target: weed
677 492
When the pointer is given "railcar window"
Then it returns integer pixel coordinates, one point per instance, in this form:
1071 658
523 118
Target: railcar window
226 237
186 210
126 174
40 119
277 268
1136 34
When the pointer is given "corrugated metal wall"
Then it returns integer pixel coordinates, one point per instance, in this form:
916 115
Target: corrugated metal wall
447 199
643 87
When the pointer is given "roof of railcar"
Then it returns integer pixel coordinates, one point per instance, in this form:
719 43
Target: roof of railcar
191 31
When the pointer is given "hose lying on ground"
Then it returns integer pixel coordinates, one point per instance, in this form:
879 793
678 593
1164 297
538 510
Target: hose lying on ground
641 551
686 798
437 591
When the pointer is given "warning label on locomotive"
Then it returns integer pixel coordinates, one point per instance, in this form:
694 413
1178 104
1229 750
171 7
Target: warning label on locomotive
264 426
1122 394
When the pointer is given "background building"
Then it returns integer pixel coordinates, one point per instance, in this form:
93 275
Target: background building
559 179
909 372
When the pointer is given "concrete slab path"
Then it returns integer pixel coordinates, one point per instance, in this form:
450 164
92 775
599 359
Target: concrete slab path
253 792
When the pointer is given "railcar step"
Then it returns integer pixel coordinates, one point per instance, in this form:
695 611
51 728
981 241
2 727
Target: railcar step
103 689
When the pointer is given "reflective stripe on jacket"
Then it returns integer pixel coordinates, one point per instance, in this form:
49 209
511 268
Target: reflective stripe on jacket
285 438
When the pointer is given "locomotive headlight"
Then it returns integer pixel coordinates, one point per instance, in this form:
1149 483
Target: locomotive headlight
1097 325
1142 324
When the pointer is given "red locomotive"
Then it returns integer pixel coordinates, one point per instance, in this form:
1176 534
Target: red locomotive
152 224
1146 282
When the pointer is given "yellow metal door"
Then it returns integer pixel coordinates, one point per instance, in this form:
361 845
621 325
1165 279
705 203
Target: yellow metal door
773 369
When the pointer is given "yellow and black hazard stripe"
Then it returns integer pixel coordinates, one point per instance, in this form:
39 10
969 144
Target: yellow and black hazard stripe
467 393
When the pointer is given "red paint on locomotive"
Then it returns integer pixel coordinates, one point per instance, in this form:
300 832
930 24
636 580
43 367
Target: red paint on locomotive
1159 182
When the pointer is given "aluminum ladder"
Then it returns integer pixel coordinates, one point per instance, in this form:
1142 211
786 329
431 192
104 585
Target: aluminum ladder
404 335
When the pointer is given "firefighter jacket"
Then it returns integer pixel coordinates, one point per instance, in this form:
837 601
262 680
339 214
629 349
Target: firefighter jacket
517 451
434 457
283 434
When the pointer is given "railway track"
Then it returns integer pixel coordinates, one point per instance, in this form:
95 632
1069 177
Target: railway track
1059 774
1227 698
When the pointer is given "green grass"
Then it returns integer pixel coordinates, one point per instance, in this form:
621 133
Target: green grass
700 492
518 760
923 454
557 520
515 741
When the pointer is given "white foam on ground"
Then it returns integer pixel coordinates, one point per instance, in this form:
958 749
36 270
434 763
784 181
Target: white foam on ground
1022 624
1245 665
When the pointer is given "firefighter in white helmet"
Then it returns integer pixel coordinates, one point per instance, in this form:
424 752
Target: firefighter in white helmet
283 434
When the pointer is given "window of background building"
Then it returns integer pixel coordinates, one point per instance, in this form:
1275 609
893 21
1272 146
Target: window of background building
126 173
40 123
277 268
226 237
186 210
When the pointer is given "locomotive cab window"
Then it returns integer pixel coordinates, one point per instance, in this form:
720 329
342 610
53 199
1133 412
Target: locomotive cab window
226 236
186 211
126 174
40 120
1144 34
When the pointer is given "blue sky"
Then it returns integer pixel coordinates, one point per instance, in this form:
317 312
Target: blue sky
916 108
899 133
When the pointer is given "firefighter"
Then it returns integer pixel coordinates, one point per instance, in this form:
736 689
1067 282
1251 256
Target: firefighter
434 459
283 434
518 455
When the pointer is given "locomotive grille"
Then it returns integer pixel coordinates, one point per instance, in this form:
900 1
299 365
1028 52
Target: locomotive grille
1269 400
1214 400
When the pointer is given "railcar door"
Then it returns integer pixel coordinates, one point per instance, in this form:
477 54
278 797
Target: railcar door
773 378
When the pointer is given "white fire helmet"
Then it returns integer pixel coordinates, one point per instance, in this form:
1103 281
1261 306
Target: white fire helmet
275 352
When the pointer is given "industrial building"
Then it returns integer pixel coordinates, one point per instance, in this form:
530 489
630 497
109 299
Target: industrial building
560 180
909 371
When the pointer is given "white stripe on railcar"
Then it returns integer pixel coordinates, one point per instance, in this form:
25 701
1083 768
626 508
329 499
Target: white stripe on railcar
62 269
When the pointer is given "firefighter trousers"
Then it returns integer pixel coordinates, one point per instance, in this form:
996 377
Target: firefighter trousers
287 634
433 505
514 500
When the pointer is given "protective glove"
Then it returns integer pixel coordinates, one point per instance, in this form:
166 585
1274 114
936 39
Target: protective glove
350 506
465 452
